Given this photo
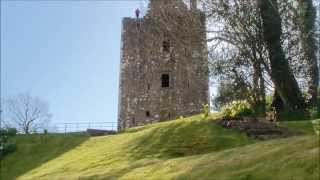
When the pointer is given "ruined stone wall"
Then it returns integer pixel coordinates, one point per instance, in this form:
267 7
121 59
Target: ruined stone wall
144 61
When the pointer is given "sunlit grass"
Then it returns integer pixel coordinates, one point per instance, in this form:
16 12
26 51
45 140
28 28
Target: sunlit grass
187 148
34 150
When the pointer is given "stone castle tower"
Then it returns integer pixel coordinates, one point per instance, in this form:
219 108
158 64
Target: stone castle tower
164 72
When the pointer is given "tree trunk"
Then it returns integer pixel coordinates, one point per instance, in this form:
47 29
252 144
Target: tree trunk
277 104
307 18
262 92
258 89
281 73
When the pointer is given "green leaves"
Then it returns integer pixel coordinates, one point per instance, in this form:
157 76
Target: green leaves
205 111
6 144
316 126
237 108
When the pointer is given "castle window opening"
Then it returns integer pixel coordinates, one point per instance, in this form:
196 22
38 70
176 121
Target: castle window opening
133 121
172 57
148 113
166 46
148 86
165 80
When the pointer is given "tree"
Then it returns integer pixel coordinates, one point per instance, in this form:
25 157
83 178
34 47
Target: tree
230 90
281 74
27 113
237 43
265 45
237 37
307 21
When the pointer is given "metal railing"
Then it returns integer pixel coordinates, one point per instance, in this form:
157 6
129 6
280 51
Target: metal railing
81 127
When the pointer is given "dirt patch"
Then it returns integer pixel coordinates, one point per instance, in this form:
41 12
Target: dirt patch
258 129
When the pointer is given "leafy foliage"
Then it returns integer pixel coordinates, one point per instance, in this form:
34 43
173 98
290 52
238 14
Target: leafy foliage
7 145
313 112
229 91
318 103
205 111
237 108
316 126
239 49
269 99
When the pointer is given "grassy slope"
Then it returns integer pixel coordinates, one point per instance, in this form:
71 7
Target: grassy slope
34 150
186 149
305 127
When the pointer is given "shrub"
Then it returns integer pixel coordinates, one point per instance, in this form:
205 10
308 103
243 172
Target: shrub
237 109
294 115
316 126
45 131
6 144
7 148
313 112
205 111
318 104
12 131
268 103
8 132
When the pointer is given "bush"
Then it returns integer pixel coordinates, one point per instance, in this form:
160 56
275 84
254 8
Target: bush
7 148
45 131
6 144
313 112
295 115
8 132
237 109
269 100
318 105
12 132
205 111
316 126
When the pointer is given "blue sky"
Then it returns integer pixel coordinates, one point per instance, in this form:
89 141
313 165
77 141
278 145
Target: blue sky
66 53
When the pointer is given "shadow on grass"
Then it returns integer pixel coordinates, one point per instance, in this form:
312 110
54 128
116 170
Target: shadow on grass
121 172
185 139
296 157
303 127
35 150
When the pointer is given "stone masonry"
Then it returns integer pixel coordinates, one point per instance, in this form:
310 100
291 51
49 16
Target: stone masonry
164 72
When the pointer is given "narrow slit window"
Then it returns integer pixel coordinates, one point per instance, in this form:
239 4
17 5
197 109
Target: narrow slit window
133 121
166 46
165 80
148 113
172 57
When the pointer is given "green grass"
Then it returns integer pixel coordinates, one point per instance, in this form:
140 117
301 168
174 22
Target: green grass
188 148
305 127
34 150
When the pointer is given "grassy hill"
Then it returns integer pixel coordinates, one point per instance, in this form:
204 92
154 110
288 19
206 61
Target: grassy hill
34 150
189 148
